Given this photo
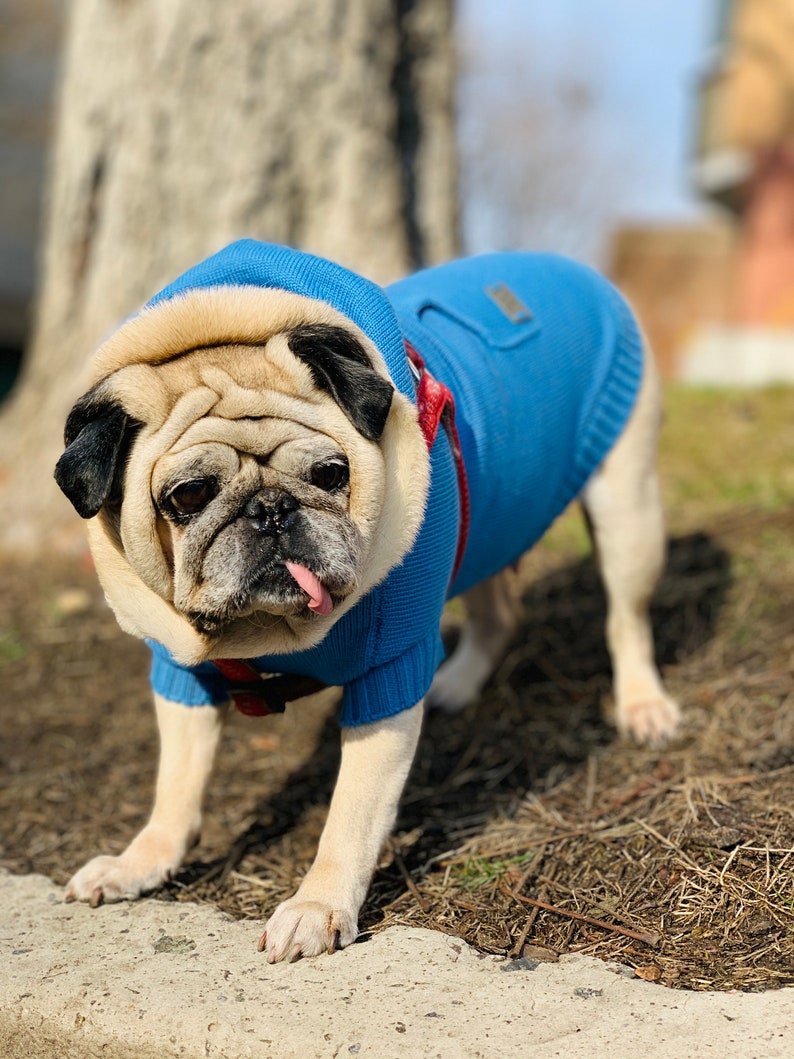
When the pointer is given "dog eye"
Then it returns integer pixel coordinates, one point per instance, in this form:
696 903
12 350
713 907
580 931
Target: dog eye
330 476
191 497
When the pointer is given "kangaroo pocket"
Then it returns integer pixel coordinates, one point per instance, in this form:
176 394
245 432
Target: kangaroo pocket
494 313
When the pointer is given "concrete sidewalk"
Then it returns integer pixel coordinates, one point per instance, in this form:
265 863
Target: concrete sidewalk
153 980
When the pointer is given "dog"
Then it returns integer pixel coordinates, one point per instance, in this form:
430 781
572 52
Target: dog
287 471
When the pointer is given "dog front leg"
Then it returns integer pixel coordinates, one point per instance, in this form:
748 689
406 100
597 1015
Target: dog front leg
188 740
323 914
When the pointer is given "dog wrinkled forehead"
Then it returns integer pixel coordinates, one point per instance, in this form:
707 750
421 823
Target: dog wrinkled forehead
251 340
230 382
226 353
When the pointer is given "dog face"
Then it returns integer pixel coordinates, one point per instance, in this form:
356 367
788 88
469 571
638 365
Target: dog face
265 528
243 495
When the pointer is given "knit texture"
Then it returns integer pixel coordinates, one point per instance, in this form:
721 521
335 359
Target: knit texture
542 391
539 401
251 263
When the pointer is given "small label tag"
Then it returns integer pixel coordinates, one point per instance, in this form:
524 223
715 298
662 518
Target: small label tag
510 304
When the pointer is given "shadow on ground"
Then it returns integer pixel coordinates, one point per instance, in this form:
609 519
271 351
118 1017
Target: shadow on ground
542 716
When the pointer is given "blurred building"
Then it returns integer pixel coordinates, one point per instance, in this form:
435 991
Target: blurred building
679 280
745 154
728 288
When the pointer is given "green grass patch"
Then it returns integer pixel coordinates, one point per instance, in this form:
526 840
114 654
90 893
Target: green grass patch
726 448
478 871
12 648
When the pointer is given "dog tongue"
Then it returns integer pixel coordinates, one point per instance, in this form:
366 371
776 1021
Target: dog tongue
319 598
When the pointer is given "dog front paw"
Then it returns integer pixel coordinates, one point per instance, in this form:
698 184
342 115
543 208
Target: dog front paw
106 879
149 861
650 720
306 928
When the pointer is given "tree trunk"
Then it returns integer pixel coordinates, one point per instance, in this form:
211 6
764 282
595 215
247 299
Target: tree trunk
185 124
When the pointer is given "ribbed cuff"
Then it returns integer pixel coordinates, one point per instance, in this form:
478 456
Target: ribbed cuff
201 685
393 687
614 402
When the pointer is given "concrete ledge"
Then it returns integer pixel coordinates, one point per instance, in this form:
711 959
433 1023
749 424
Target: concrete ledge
155 979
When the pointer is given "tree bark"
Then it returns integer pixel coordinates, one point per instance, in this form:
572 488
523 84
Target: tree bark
185 124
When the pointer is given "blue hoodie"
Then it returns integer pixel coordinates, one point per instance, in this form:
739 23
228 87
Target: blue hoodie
544 361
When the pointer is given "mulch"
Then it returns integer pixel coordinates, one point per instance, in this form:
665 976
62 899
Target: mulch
527 829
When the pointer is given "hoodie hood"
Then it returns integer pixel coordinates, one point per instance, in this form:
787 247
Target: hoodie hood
250 263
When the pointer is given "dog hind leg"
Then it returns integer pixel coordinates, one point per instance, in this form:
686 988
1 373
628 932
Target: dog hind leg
623 504
491 620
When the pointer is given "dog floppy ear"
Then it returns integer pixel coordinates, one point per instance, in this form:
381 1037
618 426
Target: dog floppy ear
98 434
340 366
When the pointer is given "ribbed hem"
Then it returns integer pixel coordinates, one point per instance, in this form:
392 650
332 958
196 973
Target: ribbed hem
614 402
201 685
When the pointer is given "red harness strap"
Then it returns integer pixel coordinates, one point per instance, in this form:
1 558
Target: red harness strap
256 694
435 404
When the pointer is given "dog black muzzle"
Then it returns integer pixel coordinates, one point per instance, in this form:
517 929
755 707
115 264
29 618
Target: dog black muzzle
271 511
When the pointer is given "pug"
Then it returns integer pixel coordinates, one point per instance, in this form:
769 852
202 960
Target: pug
286 472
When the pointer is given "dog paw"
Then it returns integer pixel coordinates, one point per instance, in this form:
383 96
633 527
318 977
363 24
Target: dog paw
306 928
149 861
652 720
106 879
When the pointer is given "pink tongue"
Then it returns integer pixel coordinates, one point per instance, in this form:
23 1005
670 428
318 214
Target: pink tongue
319 598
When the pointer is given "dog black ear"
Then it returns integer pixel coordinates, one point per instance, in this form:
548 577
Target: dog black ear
98 435
340 366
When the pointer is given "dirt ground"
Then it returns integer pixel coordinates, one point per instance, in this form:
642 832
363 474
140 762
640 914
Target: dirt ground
678 862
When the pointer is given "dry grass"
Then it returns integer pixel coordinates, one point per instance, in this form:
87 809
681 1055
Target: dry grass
683 857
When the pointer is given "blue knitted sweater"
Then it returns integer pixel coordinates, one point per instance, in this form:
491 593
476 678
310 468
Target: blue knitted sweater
544 360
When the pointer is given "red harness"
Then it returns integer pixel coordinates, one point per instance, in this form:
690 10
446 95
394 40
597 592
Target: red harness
256 694
435 404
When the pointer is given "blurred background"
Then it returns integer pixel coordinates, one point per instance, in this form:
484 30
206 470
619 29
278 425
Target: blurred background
653 140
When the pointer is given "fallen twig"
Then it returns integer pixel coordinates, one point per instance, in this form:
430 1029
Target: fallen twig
636 935
423 904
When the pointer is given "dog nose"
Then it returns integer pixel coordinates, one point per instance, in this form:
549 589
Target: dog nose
271 511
